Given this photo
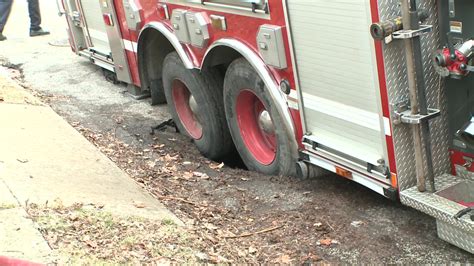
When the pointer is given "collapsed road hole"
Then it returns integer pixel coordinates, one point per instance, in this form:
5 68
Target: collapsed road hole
234 161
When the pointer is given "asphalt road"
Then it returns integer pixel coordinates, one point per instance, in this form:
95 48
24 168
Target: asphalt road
78 91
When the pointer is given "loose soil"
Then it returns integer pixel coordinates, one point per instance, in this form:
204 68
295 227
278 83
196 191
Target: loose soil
242 216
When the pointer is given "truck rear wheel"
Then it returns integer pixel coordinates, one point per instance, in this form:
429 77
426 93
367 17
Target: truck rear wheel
195 103
254 123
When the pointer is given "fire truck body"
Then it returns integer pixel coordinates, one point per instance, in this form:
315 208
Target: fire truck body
305 85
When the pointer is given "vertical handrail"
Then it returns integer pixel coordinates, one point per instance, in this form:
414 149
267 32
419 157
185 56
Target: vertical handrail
417 93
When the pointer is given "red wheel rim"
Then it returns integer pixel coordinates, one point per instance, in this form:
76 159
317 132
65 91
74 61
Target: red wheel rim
181 98
260 143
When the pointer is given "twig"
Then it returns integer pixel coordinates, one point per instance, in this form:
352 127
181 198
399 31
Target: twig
331 227
179 199
256 233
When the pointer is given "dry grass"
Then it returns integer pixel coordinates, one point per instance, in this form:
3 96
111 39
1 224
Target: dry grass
88 235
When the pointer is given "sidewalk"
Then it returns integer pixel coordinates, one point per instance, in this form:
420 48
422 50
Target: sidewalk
43 159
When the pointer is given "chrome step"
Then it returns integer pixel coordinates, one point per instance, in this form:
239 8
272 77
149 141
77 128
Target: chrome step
442 205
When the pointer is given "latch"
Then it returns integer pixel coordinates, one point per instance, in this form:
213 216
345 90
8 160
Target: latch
402 114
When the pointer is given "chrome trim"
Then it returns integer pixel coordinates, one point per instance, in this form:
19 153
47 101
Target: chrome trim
362 169
219 8
163 29
295 68
241 8
330 165
273 87
98 60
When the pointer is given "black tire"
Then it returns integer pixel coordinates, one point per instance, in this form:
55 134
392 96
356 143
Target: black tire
241 77
206 88
157 92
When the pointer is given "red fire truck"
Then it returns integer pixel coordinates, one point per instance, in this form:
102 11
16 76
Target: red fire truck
378 91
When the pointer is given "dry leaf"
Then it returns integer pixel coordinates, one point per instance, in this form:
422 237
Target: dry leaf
252 250
310 258
158 146
171 168
216 166
325 242
151 164
73 217
210 226
169 158
139 204
99 205
202 256
91 244
285 259
357 223
201 175
240 253
188 175
318 224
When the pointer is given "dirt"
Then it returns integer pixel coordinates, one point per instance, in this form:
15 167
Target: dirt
247 217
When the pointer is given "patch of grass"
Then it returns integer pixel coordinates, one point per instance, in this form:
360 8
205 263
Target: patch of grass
6 206
167 221
130 241
93 236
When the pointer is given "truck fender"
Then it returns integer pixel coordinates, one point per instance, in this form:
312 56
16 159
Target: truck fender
271 84
171 37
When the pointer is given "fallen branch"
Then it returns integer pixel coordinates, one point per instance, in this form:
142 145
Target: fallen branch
256 233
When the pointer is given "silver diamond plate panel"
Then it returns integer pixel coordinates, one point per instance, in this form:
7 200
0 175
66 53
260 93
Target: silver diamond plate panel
455 236
436 206
397 86
464 173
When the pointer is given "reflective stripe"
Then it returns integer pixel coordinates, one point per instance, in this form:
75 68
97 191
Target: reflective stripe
130 46
293 94
386 125
344 112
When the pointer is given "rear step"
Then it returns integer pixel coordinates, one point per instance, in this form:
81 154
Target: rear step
444 205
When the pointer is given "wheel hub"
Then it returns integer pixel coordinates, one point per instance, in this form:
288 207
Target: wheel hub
265 123
193 105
